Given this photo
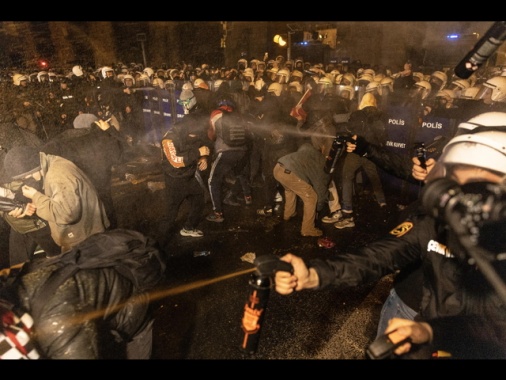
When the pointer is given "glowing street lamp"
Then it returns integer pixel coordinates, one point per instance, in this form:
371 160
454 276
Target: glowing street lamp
279 40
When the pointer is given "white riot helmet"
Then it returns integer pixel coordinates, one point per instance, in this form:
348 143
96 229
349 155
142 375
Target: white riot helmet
420 89
470 92
259 85
346 92
128 76
481 143
458 85
283 76
371 72
348 79
52 76
379 77
483 122
248 72
324 85
77 70
158 82
438 80
143 80
365 79
295 86
461 84
373 87
149 72
296 74
418 76
42 76
106 69
387 83
17 78
187 86
275 88
447 95
242 64
495 88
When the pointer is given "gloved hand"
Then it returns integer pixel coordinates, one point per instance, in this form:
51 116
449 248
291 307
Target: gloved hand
361 146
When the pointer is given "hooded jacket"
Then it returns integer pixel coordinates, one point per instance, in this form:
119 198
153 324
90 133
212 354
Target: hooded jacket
69 202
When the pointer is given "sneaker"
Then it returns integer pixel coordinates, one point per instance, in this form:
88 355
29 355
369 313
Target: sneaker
334 217
228 200
345 223
192 233
264 211
248 199
215 217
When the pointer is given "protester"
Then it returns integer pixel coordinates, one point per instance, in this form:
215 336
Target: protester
186 151
302 175
96 148
227 160
90 303
62 194
367 121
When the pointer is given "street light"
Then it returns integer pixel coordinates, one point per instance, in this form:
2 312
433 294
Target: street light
279 40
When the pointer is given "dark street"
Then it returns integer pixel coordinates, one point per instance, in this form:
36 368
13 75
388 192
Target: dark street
200 306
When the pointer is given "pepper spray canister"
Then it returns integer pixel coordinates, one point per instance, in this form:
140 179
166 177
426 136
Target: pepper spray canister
254 311
260 283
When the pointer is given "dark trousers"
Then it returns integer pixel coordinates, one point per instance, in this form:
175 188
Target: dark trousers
224 163
22 246
177 190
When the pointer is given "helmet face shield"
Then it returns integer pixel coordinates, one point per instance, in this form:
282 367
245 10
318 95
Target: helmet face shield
416 92
484 93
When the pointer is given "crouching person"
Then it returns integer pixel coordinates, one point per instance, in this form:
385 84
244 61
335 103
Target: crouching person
92 302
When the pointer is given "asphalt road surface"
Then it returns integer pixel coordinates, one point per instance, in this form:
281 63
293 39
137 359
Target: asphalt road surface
199 307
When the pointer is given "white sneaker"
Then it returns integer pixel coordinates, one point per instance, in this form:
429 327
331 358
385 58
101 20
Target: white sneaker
334 217
345 223
192 233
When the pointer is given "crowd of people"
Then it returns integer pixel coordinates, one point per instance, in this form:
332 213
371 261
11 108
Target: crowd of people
269 124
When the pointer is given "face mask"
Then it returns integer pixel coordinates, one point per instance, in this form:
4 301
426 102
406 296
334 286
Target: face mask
32 182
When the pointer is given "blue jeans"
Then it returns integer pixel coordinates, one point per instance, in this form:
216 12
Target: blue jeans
393 307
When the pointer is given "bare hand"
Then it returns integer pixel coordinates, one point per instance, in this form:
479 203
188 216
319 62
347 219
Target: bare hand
28 191
420 173
419 332
286 282
350 146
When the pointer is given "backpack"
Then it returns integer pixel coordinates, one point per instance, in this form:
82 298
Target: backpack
132 254
233 129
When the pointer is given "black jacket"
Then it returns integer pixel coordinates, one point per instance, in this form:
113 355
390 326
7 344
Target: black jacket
452 287
180 150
